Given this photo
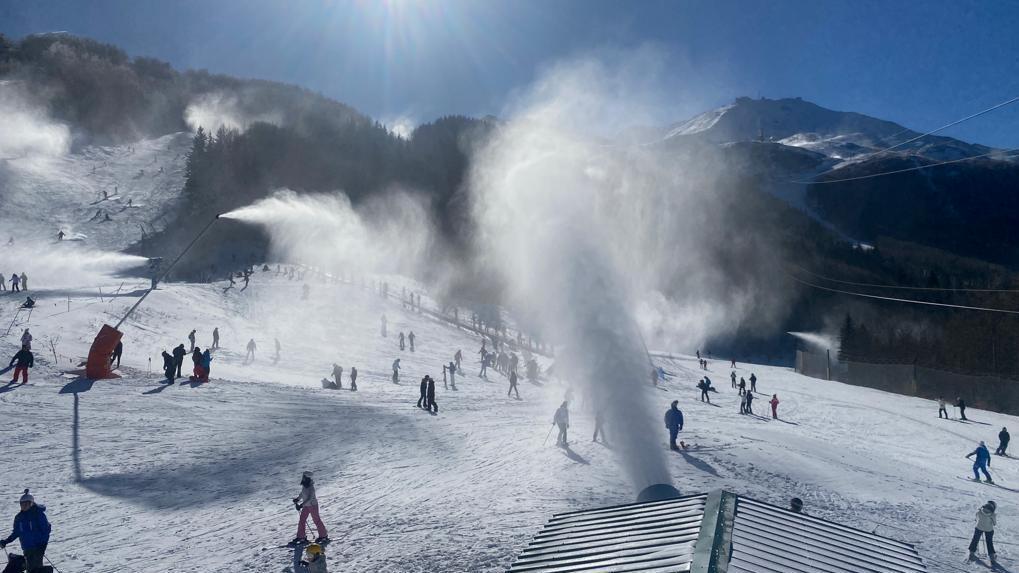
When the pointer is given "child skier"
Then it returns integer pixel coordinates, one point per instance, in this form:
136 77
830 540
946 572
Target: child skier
986 520
307 504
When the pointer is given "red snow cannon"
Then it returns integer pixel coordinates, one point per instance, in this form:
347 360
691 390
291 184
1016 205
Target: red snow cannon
97 367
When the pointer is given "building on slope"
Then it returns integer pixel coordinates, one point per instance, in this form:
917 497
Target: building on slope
717 532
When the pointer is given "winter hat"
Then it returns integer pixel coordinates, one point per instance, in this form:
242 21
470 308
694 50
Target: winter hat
981 442
307 475
991 506
26 497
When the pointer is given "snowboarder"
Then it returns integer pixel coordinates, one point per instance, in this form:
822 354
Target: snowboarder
402 346
33 529
410 339
430 395
513 385
353 379
24 360
753 382
191 339
981 462
599 419
423 399
15 282
24 281
252 347
1003 439
742 386
178 357
315 563
674 422
562 419
961 405
26 339
307 504
750 403
117 351
733 378
169 366
774 406
452 375
703 385
383 326
942 408
396 371
986 520
215 338
338 375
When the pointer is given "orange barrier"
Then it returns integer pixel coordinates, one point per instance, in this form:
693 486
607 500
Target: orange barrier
98 365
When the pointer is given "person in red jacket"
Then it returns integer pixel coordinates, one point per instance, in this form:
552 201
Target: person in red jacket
774 406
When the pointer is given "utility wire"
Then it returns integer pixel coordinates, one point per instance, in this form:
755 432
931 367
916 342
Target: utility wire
906 300
936 289
917 168
954 123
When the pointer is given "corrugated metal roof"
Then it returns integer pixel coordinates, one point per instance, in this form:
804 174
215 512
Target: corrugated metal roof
656 536
742 535
767 539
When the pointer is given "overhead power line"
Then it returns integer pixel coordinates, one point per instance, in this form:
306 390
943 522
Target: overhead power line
935 289
954 123
917 168
905 300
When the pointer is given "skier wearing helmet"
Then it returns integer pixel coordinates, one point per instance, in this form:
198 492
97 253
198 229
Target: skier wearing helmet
981 463
315 562
986 520
33 529
307 504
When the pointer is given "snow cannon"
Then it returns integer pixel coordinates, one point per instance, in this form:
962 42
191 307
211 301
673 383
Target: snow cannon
657 492
97 367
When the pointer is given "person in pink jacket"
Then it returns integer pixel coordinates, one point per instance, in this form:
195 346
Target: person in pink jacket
307 503
774 406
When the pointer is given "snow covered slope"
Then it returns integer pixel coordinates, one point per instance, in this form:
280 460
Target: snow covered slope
137 186
143 477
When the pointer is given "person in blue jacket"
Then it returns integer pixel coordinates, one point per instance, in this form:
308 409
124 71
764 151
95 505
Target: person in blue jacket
33 529
206 363
674 422
981 463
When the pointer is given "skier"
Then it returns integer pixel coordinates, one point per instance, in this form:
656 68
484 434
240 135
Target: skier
484 364
196 360
33 529
674 422
410 339
353 379
981 463
396 371
15 281
753 382
26 339
750 403
1003 439
458 357
29 302
307 503
562 419
513 385
743 404
215 338
742 386
599 419
60 235
169 367
698 355
986 520
117 351
774 406
733 363
941 408
24 281
25 360
252 347
178 358
191 339
316 562
423 399
430 395
703 385
383 326
961 405
733 378
206 365
452 375
338 375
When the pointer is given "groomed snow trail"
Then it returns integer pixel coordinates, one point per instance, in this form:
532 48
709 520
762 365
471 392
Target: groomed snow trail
143 477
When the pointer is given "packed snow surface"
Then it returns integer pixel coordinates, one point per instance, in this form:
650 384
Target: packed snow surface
139 476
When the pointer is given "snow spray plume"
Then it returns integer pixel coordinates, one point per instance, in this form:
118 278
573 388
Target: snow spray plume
815 340
63 265
600 241
390 234
27 130
215 110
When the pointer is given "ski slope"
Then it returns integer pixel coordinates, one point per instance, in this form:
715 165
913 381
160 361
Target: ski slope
143 477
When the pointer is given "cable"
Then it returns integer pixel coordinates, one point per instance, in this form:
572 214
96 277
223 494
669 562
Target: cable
906 300
903 287
957 122
917 168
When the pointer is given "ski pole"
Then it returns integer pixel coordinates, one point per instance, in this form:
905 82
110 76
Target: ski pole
51 564
548 434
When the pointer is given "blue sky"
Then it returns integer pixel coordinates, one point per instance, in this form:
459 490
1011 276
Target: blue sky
921 64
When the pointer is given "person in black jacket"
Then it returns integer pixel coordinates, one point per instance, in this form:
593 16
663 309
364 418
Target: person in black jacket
24 360
1003 439
431 395
117 351
169 367
423 400
178 358
961 405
